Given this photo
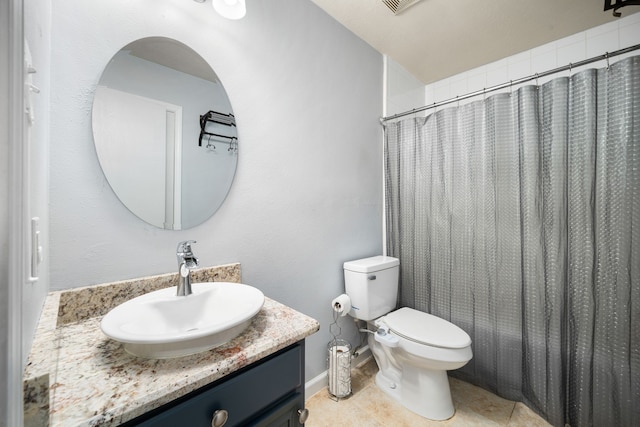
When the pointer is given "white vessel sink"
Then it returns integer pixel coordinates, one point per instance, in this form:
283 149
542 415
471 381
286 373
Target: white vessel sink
161 325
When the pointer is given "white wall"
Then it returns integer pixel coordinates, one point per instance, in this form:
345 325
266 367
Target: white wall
6 387
37 32
307 95
402 90
20 197
618 34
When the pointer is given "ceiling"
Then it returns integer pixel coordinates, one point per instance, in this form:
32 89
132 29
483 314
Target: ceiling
435 39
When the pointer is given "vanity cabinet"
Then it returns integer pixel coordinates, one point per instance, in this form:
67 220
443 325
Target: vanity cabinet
269 393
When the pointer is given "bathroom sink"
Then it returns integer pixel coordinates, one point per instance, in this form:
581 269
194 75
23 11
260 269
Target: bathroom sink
161 325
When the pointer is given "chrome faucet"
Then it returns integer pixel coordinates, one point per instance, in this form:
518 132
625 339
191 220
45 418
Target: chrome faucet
186 261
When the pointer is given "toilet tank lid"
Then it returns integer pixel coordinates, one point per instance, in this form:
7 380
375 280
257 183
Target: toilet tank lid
369 265
426 328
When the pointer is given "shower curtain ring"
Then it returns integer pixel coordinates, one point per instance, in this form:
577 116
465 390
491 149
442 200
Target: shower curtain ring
606 56
537 84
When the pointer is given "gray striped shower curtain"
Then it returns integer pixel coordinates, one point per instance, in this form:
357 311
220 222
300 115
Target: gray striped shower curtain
517 217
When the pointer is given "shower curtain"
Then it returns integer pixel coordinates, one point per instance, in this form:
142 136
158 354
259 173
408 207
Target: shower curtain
517 218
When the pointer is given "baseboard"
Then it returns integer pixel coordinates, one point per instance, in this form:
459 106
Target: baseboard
321 381
361 356
316 384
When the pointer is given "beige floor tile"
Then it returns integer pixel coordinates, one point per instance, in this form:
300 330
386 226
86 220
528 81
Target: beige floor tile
326 412
492 407
386 410
523 416
369 406
462 392
363 375
368 368
466 417
480 401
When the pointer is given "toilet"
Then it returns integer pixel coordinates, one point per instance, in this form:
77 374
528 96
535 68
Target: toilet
413 350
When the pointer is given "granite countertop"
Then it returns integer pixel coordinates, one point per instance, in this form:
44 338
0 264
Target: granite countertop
76 376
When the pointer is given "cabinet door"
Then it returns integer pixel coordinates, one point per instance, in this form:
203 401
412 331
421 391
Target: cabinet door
283 415
243 396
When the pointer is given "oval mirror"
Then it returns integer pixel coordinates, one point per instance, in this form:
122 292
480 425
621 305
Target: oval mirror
165 133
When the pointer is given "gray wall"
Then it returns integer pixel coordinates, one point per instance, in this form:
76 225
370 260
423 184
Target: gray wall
307 195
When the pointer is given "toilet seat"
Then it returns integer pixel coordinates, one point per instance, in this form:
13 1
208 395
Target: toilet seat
426 329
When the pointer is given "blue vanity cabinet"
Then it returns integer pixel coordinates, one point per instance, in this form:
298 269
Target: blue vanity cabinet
268 393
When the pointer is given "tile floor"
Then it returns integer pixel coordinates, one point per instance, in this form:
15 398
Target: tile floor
369 406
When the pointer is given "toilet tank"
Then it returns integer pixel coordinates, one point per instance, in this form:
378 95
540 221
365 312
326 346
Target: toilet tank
372 286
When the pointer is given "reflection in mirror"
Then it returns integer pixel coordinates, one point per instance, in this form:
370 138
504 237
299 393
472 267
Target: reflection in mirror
165 160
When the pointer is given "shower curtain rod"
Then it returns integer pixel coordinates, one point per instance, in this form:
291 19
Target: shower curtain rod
511 83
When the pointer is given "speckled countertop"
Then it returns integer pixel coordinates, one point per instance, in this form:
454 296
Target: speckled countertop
76 376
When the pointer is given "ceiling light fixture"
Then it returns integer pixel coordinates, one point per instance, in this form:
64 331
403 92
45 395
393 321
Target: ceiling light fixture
230 9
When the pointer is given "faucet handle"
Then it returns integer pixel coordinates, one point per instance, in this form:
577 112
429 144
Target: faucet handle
185 247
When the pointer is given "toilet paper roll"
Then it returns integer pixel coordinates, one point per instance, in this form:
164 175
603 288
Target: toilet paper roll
339 371
341 304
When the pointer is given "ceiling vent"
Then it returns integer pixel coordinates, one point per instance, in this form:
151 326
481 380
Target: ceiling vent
398 6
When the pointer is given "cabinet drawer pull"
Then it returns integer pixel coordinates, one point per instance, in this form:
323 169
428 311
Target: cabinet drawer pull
219 418
303 414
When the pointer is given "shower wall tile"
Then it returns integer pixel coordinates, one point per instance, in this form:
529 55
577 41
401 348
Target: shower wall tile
519 57
477 81
629 31
545 48
603 42
627 18
602 29
441 91
429 95
496 66
458 86
543 61
630 34
572 52
612 36
518 70
571 40
497 72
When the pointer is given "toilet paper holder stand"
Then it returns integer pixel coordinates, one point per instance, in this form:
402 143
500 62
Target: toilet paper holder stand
338 363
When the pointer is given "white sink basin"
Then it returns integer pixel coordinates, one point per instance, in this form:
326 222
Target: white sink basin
160 324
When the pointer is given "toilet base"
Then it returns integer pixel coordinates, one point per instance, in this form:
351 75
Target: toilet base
423 391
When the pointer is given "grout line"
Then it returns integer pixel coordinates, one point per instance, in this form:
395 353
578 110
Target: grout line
511 414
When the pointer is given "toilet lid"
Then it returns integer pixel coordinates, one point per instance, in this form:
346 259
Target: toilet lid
425 328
